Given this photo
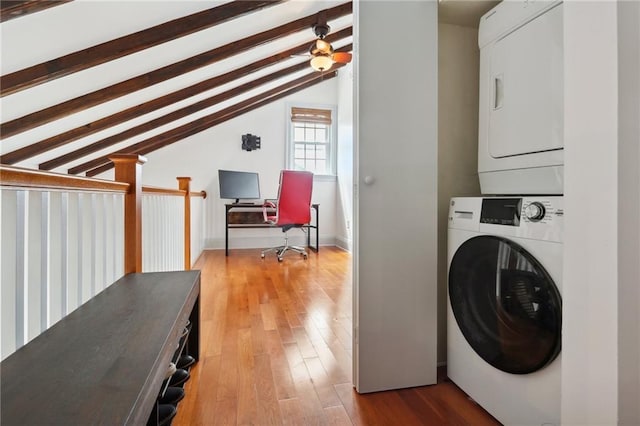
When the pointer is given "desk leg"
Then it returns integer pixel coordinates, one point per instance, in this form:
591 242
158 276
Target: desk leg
314 226
226 230
317 228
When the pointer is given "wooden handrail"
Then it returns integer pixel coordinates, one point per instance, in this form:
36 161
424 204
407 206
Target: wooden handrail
163 191
128 182
11 176
27 178
169 191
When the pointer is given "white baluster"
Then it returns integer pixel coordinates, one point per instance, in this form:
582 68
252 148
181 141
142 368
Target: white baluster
56 257
92 244
104 248
81 255
22 247
118 252
45 261
73 252
64 252
8 270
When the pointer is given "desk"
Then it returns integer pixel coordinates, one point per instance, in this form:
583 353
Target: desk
105 362
250 216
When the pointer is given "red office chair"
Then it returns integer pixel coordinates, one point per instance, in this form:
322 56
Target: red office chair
293 208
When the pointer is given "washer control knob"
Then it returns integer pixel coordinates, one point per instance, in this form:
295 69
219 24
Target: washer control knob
534 211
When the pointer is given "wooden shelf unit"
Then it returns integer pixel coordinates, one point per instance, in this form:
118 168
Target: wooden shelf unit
105 362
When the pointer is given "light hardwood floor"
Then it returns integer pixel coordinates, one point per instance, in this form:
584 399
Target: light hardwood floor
276 349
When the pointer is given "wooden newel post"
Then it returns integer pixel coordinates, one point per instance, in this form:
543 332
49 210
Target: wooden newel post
128 169
184 184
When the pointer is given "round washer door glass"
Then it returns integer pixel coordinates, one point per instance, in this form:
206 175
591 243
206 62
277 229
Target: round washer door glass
506 304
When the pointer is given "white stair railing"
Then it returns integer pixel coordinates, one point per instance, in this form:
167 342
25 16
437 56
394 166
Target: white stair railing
165 228
64 240
162 232
60 247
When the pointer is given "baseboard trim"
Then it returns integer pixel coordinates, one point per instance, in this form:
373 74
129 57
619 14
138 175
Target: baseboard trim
344 243
264 242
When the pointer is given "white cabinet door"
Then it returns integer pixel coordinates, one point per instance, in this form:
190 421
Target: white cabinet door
526 88
395 277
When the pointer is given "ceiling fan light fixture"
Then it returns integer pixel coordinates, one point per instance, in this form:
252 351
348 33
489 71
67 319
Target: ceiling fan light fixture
321 47
321 62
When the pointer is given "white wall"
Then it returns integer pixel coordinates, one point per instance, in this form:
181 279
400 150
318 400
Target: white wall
600 285
344 199
458 70
201 155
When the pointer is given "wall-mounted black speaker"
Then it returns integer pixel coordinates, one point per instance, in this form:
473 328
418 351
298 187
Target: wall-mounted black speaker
250 142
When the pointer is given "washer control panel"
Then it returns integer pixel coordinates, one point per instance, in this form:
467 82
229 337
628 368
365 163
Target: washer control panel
527 217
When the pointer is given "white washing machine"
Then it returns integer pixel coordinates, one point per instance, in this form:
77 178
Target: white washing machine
521 108
504 313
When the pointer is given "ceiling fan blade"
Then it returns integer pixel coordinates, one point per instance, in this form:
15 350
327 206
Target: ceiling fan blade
341 57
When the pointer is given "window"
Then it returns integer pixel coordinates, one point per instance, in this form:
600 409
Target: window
311 144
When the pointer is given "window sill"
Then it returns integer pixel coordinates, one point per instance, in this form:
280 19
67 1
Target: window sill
324 178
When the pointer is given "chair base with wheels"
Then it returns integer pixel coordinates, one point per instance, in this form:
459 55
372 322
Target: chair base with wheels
281 250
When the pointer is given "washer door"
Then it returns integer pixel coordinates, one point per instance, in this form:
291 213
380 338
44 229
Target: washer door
506 304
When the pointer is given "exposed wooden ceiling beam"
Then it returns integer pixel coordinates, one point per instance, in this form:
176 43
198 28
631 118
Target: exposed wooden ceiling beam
126 45
168 118
145 80
150 106
10 9
222 119
204 123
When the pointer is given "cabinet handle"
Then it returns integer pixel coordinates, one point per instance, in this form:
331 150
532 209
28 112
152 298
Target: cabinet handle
498 91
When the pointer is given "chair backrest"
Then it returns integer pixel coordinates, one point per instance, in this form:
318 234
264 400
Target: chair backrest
294 197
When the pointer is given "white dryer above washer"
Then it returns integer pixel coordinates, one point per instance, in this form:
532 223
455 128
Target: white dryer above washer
520 136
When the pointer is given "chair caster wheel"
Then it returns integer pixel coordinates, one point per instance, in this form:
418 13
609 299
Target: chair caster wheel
262 255
279 259
305 256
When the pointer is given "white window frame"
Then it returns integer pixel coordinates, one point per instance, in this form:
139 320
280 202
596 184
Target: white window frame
333 138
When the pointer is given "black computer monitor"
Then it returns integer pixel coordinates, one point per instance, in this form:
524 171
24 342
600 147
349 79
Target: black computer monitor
238 186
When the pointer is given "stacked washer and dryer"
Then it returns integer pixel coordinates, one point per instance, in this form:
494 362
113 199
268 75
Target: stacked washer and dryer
505 248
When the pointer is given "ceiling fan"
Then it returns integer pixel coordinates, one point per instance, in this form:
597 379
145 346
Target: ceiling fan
322 54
